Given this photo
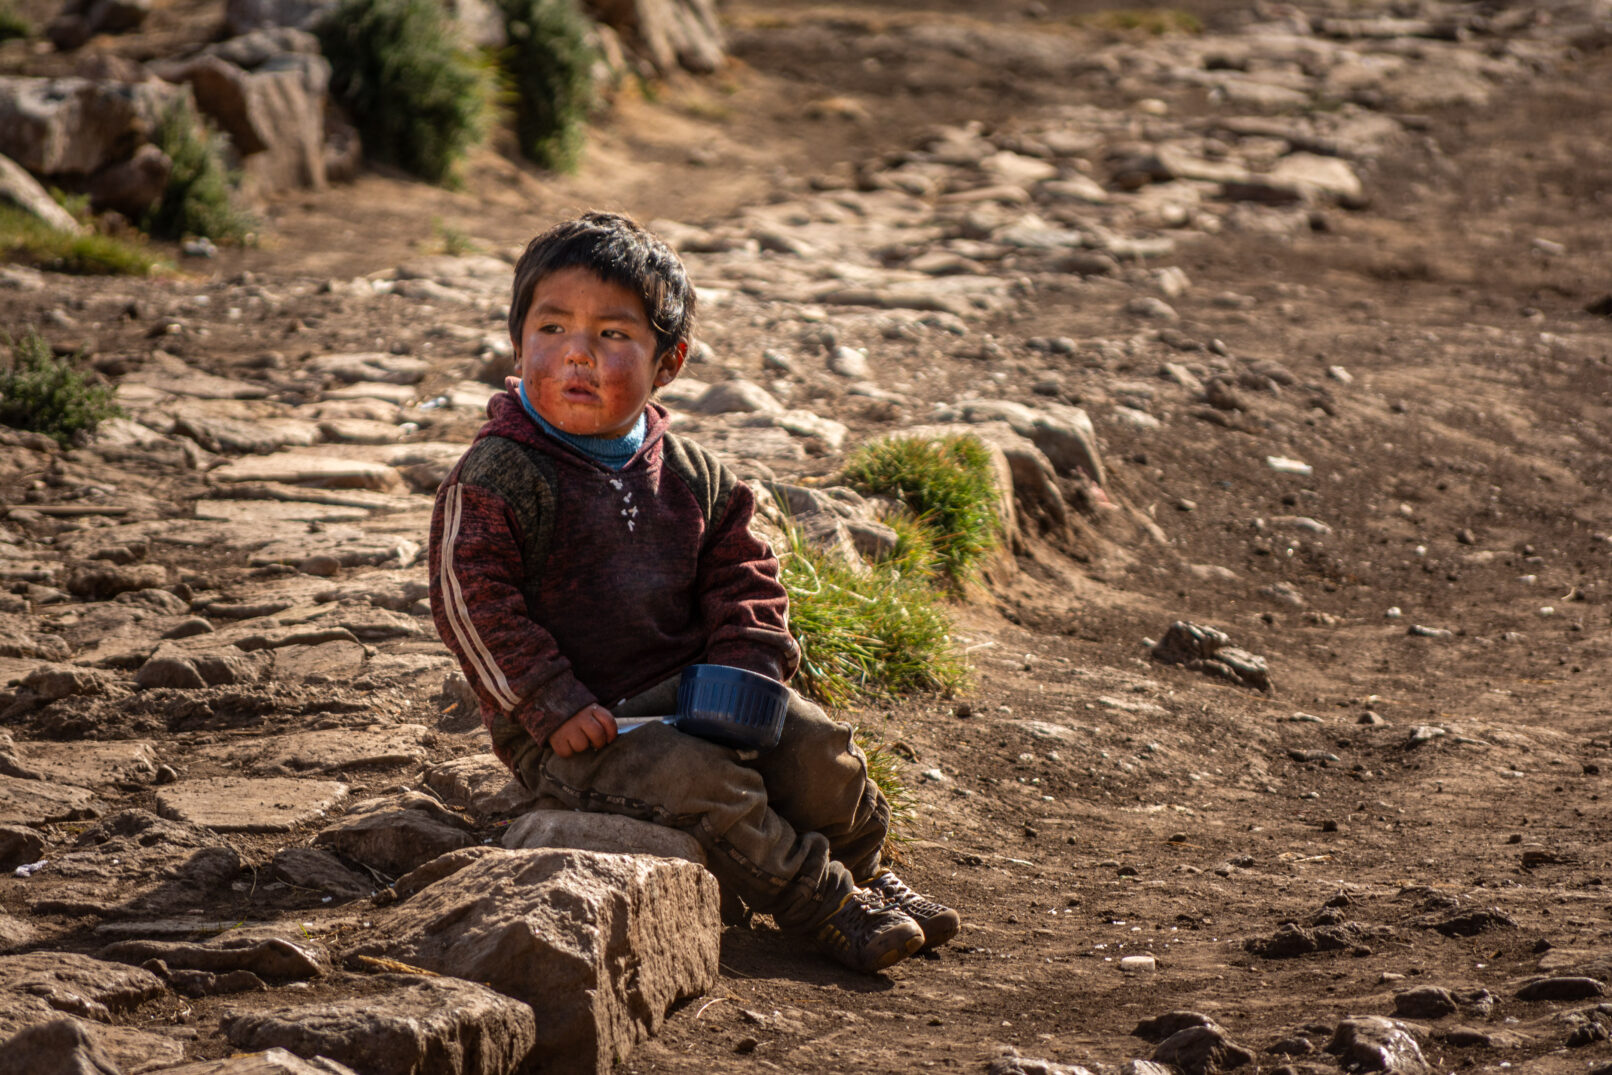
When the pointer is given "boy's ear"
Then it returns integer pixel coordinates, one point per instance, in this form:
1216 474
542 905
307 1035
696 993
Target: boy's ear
670 364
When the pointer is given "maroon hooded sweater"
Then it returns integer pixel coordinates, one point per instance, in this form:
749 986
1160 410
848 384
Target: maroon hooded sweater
558 582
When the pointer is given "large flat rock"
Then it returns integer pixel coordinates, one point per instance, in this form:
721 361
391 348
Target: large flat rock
326 750
251 512
36 802
249 804
426 1026
298 468
601 945
347 546
92 763
328 662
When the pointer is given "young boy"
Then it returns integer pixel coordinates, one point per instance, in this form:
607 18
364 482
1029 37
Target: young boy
582 556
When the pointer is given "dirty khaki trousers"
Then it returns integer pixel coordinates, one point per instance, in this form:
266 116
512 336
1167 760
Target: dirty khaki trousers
786 830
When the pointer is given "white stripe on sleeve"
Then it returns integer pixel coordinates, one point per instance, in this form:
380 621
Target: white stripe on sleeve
453 600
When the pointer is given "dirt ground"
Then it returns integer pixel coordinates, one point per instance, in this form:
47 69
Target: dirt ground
1081 803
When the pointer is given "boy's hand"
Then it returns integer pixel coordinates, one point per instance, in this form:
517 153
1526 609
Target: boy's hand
588 728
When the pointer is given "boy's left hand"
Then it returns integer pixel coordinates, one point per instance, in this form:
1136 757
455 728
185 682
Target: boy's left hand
588 728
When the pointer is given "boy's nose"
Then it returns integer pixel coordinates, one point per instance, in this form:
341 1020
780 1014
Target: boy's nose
578 351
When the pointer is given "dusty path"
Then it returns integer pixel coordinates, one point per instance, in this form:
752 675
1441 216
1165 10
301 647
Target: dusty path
1404 809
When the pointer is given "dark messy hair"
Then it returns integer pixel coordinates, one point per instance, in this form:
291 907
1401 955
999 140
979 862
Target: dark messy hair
619 250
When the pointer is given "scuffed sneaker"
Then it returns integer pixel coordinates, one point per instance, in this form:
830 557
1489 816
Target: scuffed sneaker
939 922
867 934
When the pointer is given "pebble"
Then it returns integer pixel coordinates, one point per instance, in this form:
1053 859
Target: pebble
848 362
1149 307
1283 465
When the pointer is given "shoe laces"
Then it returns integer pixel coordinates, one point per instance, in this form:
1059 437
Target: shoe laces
895 893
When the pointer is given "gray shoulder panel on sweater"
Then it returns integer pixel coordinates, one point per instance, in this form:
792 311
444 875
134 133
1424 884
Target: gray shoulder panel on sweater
711 483
525 480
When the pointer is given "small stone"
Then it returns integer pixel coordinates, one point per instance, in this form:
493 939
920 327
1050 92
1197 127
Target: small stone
1424 1002
321 565
1146 306
848 362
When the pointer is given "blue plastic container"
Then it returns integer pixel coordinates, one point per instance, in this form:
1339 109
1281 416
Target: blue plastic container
731 706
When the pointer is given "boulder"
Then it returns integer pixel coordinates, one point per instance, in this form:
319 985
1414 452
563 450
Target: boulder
1063 433
435 1025
81 20
19 188
77 126
667 33
733 397
1372 1043
274 115
40 986
1201 1050
601 945
64 1046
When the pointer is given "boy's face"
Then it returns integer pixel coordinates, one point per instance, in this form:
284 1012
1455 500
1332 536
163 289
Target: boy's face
586 354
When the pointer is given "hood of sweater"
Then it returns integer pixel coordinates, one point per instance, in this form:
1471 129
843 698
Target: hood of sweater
507 418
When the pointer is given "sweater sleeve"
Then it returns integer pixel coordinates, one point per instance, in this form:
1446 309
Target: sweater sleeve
511 661
744 605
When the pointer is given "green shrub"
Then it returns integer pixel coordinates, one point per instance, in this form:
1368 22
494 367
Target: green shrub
549 64
948 484
866 635
12 23
199 199
419 100
47 395
24 237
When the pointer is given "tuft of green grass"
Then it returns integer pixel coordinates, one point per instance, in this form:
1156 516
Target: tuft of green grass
914 555
199 199
12 23
1154 22
947 484
450 240
885 771
24 237
45 394
866 635
418 98
549 65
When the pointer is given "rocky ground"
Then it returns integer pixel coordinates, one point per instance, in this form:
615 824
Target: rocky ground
1297 328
